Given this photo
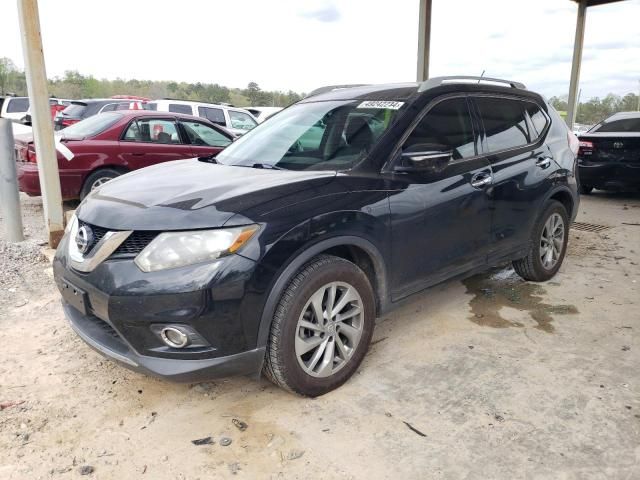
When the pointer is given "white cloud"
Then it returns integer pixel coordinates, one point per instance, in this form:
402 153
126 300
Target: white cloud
302 45
324 12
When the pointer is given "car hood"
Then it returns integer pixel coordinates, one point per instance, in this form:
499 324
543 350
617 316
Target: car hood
191 194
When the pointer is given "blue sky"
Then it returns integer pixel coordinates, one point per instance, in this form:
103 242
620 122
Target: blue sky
301 45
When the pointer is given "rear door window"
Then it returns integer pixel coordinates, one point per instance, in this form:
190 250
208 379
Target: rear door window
17 105
504 123
178 108
215 115
203 135
153 130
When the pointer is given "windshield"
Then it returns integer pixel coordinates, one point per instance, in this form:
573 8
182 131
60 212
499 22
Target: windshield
91 126
332 135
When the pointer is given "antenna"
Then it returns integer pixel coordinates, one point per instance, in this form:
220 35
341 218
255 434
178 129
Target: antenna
481 75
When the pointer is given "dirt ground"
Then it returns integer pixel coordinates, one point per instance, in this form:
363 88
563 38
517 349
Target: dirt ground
490 378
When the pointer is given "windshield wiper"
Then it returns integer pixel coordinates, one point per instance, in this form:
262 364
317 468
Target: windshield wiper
267 166
208 159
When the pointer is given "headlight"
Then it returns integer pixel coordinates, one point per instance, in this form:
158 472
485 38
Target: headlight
177 249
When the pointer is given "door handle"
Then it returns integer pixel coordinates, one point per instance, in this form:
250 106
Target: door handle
543 162
481 180
137 154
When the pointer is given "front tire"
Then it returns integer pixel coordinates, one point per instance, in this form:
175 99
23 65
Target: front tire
97 178
548 245
322 327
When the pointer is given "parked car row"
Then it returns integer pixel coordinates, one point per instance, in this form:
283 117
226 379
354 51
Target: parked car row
236 120
99 148
18 109
67 112
104 146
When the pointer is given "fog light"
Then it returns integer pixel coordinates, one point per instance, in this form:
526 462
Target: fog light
174 337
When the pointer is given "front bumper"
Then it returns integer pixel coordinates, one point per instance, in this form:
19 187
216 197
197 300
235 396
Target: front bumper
101 336
123 304
609 175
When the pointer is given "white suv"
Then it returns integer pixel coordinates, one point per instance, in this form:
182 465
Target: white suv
14 108
236 120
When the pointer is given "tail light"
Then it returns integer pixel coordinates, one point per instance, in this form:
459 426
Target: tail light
585 148
31 155
573 142
68 121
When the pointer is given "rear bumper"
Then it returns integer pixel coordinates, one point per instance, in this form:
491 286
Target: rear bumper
102 337
609 175
28 180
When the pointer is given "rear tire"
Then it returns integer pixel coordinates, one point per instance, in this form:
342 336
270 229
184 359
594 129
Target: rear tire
322 327
548 245
97 178
586 189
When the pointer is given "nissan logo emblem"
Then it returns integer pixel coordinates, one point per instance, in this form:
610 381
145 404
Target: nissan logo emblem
84 239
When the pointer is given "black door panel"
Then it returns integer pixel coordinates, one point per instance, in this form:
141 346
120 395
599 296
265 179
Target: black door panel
521 166
440 222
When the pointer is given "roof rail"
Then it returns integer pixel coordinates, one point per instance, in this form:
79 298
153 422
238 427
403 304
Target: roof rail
437 81
330 88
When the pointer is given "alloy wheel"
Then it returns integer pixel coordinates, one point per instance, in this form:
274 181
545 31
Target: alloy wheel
100 181
551 241
329 329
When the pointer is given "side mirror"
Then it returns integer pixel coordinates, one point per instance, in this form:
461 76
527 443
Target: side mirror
425 157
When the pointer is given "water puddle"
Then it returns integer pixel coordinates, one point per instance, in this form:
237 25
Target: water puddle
504 288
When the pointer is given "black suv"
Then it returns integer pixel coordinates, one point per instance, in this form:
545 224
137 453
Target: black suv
278 254
80 109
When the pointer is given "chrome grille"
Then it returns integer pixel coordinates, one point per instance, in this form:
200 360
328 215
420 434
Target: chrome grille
131 247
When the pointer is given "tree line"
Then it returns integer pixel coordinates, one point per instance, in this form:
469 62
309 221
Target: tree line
75 85
596 109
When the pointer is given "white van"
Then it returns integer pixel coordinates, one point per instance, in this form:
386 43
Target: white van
14 108
237 120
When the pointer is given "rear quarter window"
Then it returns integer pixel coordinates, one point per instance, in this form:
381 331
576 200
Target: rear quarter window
17 105
538 119
215 115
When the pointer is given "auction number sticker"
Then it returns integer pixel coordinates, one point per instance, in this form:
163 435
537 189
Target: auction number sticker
388 104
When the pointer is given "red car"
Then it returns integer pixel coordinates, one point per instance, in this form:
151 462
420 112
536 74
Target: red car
109 144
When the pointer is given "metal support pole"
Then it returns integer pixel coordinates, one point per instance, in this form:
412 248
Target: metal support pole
9 196
424 39
575 65
41 119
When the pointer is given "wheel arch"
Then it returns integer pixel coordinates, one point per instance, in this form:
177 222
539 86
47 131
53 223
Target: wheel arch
120 168
350 247
564 195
